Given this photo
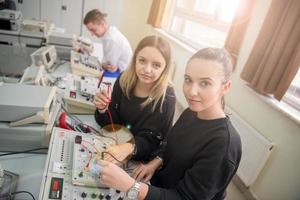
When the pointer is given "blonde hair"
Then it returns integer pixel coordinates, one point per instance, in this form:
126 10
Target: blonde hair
221 56
128 79
94 16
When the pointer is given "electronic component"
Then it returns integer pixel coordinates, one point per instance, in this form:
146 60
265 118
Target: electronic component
10 19
45 56
88 152
70 123
58 180
79 94
35 27
85 65
10 14
86 156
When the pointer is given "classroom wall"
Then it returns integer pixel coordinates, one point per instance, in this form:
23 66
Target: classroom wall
280 179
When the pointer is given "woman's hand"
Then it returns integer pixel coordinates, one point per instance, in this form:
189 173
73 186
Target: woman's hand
114 177
120 152
101 99
144 172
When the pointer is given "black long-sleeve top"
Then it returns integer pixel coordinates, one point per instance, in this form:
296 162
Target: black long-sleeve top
200 159
148 127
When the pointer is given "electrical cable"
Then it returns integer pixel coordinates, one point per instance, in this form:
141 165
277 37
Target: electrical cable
20 152
91 155
94 130
19 192
106 152
110 116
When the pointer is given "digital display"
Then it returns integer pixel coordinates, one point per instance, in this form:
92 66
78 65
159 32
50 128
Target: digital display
48 57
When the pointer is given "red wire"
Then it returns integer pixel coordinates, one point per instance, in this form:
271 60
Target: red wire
91 145
110 117
88 163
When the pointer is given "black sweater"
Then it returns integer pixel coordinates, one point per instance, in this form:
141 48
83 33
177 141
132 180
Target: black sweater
148 127
200 159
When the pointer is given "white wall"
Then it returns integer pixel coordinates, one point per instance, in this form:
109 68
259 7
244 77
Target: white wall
134 18
280 179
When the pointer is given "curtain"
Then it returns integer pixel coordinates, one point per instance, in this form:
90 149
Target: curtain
157 12
275 58
238 28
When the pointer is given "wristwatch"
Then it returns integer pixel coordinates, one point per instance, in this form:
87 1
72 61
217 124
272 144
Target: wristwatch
133 192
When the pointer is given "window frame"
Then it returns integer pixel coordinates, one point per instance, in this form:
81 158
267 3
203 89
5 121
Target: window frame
211 21
289 97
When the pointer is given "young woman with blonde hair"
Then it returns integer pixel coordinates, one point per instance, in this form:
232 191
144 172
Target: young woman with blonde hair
142 99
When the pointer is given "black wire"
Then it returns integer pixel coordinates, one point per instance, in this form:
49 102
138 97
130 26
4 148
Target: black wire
19 192
105 152
27 151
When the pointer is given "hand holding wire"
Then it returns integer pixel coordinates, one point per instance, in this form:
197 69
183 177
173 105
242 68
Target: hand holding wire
102 98
113 176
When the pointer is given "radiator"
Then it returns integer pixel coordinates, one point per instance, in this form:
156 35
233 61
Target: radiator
256 149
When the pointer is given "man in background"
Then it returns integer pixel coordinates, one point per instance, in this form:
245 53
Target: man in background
117 51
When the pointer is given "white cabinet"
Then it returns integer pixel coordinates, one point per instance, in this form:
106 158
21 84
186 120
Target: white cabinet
72 16
66 14
29 8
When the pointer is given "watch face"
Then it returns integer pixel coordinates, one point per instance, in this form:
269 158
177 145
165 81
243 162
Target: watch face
134 191
132 194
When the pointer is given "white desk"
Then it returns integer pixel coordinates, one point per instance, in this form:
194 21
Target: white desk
30 168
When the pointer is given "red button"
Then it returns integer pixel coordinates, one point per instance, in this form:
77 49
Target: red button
55 185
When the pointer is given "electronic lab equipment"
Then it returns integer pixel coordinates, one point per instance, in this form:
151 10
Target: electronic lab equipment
85 65
62 43
85 168
34 75
10 20
24 104
36 27
82 43
68 155
16 44
45 56
27 115
79 94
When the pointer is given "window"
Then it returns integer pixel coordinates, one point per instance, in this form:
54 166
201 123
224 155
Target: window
202 22
292 96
